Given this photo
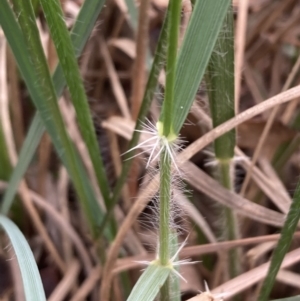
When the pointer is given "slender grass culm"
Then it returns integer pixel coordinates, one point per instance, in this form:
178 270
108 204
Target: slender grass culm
220 83
166 131
163 140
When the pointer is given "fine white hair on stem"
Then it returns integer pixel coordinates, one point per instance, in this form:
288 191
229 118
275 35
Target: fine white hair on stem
153 143
173 262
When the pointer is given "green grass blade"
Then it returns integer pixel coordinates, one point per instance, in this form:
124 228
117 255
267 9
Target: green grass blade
220 85
149 283
30 144
198 43
85 23
5 169
283 245
35 72
32 283
66 54
36 6
79 35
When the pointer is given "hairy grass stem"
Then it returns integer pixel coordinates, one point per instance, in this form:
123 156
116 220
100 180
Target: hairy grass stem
165 163
220 82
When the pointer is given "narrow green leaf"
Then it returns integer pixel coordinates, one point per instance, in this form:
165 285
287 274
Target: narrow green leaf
32 283
220 86
283 245
35 72
67 58
79 35
149 283
28 149
36 6
198 43
5 169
